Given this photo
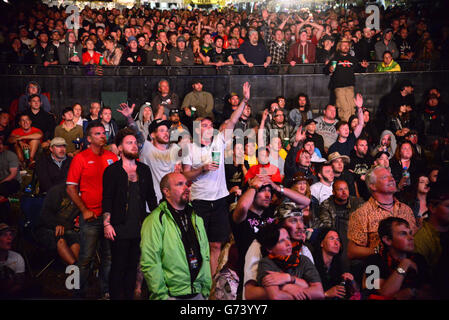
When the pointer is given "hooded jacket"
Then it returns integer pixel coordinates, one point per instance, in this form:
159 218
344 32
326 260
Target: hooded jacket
391 149
65 52
23 100
143 126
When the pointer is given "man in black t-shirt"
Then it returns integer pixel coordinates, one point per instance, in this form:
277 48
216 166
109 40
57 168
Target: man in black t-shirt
218 56
360 163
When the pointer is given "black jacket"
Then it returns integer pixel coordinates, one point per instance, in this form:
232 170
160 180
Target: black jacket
115 191
343 75
49 174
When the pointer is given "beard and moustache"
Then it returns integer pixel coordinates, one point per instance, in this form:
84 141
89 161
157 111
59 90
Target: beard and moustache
131 155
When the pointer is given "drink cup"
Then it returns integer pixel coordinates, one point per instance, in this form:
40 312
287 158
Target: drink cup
216 157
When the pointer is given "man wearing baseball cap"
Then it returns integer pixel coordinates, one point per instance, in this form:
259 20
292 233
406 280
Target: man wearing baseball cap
181 55
52 169
133 55
203 101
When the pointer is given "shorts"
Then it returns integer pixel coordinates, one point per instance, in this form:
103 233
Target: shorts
46 237
215 215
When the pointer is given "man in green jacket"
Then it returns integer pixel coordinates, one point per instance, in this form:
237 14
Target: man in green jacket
175 257
203 101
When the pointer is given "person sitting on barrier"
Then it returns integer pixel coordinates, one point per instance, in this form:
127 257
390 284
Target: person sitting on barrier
252 52
55 228
164 98
70 51
388 64
157 56
26 140
181 55
133 55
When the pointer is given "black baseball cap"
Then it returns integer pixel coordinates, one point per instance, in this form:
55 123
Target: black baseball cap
157 123
309 121
173 111
377 156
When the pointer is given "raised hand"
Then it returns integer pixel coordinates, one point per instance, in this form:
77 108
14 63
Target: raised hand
126 110
358 100
247 90
300 135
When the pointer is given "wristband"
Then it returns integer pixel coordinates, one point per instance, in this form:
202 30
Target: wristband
106 225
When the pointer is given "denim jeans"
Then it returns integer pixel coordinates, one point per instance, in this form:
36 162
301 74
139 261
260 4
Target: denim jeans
91 239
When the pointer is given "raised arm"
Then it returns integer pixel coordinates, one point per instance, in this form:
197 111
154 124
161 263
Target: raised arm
359 103
235 116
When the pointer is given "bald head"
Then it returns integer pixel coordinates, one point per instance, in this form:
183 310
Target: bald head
175 190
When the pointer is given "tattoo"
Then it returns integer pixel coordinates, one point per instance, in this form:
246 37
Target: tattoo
106 217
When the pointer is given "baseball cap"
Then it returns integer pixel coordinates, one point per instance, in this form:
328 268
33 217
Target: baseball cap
380 153
132 38
181 38
287 210
173 111
58 141
157 123
309 121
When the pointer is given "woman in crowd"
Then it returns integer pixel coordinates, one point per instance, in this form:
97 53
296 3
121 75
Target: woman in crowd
404 166
78 114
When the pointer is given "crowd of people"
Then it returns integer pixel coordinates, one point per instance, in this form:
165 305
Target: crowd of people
302 206
149 37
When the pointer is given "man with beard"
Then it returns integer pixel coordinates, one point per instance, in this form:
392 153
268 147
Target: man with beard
339 166
172 232
85 189
158 154
361 161
334 212
127 188
323 189
45 53
290 216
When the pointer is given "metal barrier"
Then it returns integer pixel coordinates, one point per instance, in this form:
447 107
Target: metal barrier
317 68
70 84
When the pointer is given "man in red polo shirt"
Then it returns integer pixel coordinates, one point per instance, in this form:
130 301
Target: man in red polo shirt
85 188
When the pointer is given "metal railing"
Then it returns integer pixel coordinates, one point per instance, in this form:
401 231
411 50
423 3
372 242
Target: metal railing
284 69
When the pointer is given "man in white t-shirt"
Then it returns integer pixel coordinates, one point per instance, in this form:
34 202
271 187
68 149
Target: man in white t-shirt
158 154
12 265
204 166
323 189
290 217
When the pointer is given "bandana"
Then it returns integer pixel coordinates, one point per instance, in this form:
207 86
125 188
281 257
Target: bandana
287 262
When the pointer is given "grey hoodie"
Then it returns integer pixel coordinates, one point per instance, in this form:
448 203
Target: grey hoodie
391 149
143 127
23 100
